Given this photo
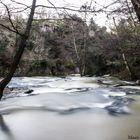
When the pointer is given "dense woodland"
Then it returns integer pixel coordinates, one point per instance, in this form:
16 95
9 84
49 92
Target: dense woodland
72 43
60 48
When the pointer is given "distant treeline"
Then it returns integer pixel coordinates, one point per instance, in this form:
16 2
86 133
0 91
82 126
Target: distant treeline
69 45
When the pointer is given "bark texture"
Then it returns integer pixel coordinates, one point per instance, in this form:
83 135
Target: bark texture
21 46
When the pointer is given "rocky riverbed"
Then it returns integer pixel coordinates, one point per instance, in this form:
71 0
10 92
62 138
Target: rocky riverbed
70 108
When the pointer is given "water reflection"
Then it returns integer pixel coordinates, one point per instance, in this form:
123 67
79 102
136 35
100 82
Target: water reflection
5 129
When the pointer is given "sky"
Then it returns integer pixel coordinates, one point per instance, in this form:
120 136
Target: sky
64 2
100 18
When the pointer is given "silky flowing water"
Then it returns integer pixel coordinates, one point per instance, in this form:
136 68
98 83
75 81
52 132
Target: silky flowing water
70 108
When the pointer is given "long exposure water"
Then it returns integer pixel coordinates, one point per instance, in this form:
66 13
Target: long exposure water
70 108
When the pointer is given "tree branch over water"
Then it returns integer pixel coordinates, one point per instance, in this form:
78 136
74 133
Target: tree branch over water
21 47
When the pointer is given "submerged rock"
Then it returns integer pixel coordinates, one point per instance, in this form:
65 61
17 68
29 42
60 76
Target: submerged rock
7 90
119 106
73 110
80 89
128 91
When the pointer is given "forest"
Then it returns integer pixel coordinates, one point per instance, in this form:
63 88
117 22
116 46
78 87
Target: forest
88 49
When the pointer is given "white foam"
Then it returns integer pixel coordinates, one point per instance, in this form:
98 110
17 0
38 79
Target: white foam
116 93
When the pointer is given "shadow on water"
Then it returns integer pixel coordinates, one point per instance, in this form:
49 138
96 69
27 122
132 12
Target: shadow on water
5 129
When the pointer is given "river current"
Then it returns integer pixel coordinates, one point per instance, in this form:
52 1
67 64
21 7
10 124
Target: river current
70 108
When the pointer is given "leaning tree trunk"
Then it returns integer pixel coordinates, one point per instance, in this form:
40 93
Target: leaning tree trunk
21 47
136 5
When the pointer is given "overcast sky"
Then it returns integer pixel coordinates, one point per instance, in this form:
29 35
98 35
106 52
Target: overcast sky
65 2
100 19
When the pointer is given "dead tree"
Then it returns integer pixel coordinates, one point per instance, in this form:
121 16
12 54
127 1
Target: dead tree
21 47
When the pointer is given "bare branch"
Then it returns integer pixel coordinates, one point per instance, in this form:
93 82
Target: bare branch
101 10
8 28
9 17
22 10
51 3
19 3
130 12
69 9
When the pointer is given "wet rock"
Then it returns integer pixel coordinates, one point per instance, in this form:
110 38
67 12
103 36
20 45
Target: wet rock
119 106
114 110
114 82
99 81
17 92
122 100
128 91
133 92
7 90
28 91
138 82
78 89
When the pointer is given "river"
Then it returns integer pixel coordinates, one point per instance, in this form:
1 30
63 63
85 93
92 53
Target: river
70 108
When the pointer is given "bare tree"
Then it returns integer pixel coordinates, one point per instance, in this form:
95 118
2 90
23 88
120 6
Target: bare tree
21 46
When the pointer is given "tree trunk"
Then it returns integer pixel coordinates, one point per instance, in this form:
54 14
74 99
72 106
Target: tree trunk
21 46
136 5
131 74
78 58
127 66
